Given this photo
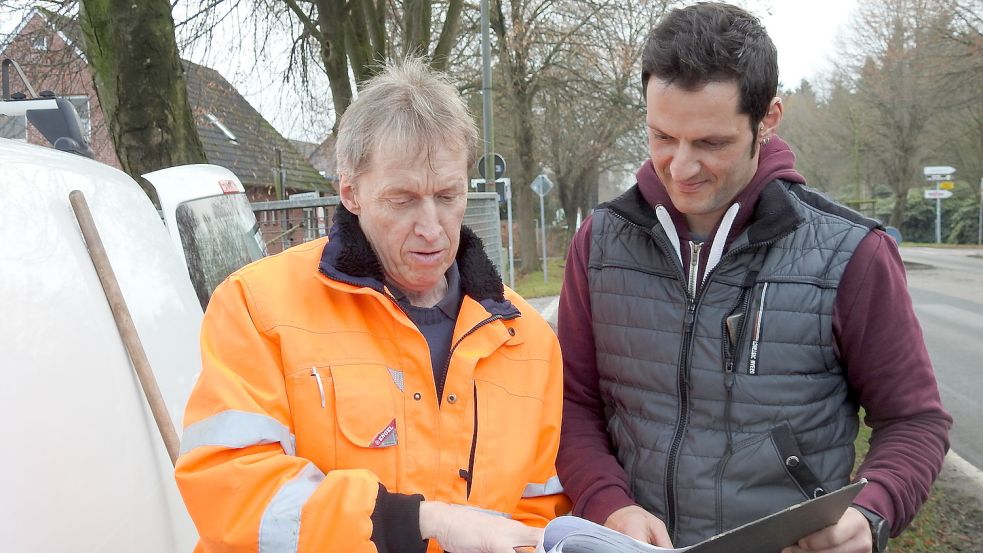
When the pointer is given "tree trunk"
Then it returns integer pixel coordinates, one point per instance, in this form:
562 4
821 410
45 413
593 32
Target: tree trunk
898 212
416 27
448 34
333 56
528 200
138 76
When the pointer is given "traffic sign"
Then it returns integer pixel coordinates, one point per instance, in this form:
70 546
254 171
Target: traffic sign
542 185
933 194
935 170
947 185
499 166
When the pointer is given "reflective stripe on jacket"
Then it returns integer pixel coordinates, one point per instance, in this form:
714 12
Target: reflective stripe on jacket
314 391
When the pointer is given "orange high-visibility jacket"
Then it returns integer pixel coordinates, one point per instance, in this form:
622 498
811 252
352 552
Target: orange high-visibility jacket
316 389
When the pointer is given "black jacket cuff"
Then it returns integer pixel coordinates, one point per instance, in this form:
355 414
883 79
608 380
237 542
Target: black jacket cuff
396 523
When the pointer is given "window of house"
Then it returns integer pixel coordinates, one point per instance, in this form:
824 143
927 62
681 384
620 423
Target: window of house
81 104
39 42
14 127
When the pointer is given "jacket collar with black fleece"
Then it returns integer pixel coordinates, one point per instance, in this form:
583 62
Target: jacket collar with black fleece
348 257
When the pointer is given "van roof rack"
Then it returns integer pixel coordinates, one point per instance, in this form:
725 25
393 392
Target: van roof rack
54 117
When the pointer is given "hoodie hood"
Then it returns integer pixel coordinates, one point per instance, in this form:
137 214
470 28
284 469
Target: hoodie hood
776 161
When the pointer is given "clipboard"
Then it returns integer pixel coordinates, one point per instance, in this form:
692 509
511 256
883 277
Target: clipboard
769 534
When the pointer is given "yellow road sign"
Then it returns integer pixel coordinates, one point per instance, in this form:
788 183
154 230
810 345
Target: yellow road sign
947 185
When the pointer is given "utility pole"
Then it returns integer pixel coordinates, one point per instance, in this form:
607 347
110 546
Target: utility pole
486 93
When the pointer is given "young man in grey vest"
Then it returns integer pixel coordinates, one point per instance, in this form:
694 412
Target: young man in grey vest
721 323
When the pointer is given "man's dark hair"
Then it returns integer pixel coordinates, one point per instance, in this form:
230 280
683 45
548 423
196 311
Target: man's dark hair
715 42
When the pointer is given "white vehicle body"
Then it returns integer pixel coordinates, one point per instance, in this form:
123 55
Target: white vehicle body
83 466
210 221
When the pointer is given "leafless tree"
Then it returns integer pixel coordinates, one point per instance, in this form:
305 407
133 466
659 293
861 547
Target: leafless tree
895 72
533 37
593 116
353 37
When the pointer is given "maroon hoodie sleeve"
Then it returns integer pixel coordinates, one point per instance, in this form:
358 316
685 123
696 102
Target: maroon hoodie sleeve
591 475
881 346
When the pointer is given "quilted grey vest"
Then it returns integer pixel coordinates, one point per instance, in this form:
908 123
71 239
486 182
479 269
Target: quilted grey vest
730 405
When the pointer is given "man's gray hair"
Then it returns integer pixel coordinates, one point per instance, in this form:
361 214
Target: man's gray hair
406 108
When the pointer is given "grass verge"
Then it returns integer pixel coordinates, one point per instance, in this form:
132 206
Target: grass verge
532 285
951 520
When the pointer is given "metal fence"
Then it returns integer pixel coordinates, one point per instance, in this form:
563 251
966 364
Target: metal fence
286 223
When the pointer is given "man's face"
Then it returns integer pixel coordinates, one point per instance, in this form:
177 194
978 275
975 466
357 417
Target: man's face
701 148
411 208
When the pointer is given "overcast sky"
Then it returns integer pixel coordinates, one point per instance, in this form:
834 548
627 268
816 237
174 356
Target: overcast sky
804 31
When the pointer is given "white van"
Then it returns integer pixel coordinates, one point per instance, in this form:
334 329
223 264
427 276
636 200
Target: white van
82 465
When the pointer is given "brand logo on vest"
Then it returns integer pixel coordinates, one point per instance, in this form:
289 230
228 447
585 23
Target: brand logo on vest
753 366
386 438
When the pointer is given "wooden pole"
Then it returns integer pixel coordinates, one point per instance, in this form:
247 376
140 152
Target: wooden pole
124 322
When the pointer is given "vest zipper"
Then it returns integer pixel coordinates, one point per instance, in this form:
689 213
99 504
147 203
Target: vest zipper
682 419
693 279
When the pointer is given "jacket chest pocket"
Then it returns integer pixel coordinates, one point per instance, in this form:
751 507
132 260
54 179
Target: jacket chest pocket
349 417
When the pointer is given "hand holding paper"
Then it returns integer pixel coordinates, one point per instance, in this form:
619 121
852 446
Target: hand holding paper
802 523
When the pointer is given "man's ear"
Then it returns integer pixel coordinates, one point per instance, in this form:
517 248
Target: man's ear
347 192
773 117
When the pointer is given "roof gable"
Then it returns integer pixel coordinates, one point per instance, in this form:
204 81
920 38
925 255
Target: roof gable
252 156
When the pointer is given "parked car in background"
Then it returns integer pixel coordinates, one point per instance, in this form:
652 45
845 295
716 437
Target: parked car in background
210 222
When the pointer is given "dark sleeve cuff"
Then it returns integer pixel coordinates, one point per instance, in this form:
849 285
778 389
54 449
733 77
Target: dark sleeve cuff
396 523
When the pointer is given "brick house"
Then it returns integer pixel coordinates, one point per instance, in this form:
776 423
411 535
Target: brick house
234 135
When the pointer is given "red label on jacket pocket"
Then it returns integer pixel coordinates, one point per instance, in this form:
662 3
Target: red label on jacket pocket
386 438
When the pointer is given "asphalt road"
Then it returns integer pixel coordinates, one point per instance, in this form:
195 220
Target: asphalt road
947 290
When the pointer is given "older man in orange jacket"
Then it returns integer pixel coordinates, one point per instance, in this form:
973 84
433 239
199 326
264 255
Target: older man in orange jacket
379 390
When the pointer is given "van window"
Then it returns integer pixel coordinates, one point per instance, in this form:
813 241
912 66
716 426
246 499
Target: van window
14 127
219 235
